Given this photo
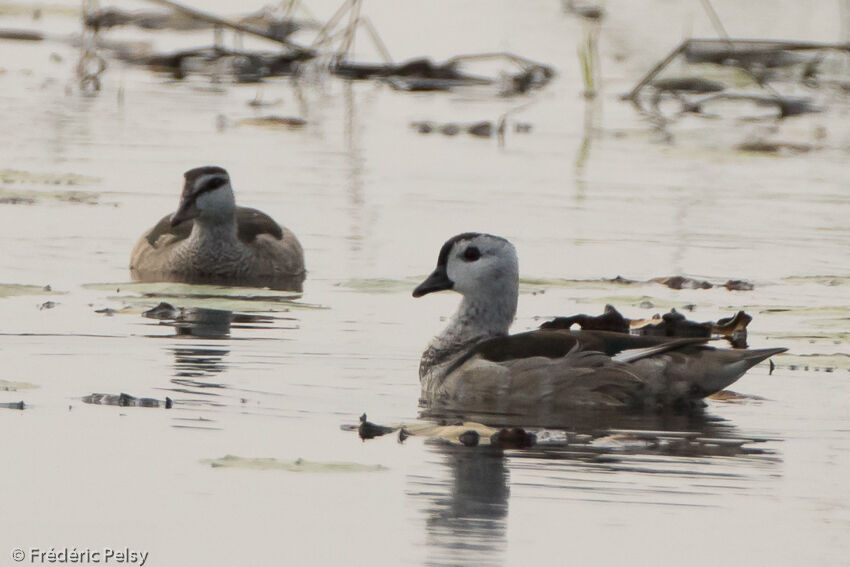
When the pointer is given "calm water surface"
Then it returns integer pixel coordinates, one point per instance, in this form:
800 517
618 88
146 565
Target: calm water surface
591 192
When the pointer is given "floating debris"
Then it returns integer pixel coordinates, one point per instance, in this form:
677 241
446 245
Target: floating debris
687 85
111 311
264 20
243 66
106 18
775 69
516 438
672 324
470 438
126 400
683 282
516 75
13 405
482 129
768 147
163 311
610 320
587 11
368 430
730 396
274 121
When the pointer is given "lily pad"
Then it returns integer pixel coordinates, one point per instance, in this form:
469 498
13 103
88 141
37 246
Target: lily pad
298 465
380 285
146 295
10 386
12 290
10 197
10 176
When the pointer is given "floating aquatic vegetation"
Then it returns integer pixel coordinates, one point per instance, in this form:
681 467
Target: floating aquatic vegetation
298 465
378 285
145 294
13 290
11 386
10 197
13 176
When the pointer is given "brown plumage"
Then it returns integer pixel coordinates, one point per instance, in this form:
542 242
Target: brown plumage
211 240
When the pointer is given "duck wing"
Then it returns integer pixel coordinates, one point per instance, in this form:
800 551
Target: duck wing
557 343
172 234
561 368
251 223
536 383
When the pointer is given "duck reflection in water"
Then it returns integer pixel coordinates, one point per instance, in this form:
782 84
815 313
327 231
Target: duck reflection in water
467 509
467 520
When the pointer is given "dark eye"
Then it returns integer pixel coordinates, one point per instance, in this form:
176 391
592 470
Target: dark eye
471 254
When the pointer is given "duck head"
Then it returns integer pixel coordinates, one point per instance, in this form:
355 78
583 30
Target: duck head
207 195
478 266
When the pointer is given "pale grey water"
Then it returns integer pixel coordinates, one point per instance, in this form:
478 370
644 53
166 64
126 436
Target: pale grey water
583 196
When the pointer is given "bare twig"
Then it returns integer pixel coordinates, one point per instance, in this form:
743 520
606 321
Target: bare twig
715 19
225 23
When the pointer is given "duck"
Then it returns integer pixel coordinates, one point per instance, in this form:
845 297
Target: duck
474 363
211 240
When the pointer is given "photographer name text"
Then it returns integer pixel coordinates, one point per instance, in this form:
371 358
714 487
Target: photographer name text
86 555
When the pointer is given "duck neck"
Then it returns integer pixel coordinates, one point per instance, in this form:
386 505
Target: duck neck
215 235
475 321
479 320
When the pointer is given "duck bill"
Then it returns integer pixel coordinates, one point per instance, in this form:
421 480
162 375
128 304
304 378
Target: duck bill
437 281
186 211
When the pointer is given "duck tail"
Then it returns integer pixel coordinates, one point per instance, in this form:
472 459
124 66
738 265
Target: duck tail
757 355
736 363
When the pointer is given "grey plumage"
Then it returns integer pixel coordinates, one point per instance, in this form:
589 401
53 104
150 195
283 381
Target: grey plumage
475 365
